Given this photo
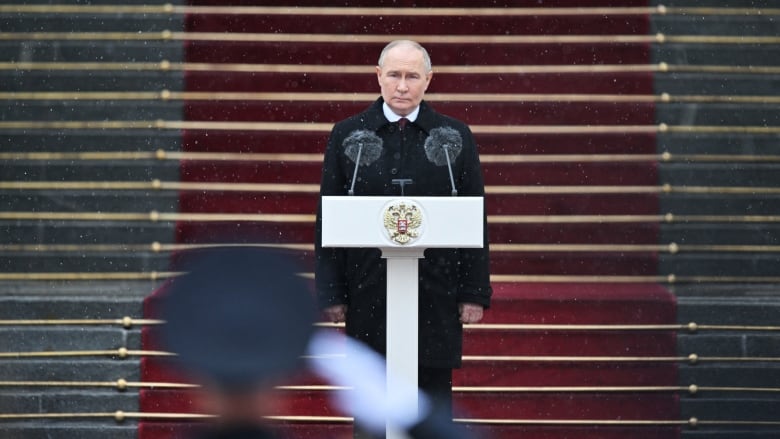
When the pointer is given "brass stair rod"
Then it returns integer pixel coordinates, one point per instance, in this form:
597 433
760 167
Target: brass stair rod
157 247
169 9
165 66
161 154
157 185
166 95
167 35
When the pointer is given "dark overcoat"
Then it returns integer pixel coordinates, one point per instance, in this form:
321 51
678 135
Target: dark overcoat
447 277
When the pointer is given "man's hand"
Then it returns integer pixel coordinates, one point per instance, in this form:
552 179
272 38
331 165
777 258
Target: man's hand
470 312
336 313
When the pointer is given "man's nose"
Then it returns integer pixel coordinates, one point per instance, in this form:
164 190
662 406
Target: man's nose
402 85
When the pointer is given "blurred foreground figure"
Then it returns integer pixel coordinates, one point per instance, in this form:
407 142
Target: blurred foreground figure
363 370
239 320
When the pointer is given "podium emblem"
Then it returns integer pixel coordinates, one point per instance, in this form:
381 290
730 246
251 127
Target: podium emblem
403 221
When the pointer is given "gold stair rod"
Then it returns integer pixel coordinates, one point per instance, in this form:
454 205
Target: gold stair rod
120 384
155 216
671 248
125 322
166 95
691 359
692 422
166 65
161 154
691 327
660 279
169 9
533 278
118 415
121 353
154 247
87 276
668 218
157 185
326 127
167 35
692 389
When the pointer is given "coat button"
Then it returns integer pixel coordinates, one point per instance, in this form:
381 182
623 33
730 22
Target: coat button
394 171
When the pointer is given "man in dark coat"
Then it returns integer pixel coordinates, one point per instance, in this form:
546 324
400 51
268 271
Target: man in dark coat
454 284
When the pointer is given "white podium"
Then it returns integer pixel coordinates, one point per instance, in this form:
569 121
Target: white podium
402 228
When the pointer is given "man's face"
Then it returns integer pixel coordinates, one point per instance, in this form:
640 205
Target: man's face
403 79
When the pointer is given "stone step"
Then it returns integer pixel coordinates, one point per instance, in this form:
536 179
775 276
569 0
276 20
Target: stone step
730 433
720 174
119 22
100 299
720 143
744 305
70 369
720 234
78 300
67 338
57 400
731 375
720 264
90 140
86 232
105 201
97 429
92 51
91 81
704 204
132 170
736 25
714 84
730 344
742 408
716 55
84 263
718 114
92 110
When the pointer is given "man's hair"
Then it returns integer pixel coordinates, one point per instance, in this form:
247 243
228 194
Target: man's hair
414 44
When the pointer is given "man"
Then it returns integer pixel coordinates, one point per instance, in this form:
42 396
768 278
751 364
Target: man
212 323
454 284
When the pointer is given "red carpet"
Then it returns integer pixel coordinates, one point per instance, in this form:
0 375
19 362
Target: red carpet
515 303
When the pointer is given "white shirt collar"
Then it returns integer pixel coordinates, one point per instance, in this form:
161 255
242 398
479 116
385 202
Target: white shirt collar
392 117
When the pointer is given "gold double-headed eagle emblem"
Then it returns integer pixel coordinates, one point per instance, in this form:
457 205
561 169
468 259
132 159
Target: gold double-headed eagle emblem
403 222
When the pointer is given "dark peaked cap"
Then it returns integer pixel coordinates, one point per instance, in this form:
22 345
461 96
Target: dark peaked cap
240 316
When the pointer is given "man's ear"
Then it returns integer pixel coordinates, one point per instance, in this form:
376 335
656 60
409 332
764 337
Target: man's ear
379 74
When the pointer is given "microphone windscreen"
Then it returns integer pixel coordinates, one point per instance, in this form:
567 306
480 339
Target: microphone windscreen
372 146
437 139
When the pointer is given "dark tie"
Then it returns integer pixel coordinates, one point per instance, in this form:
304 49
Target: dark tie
402 123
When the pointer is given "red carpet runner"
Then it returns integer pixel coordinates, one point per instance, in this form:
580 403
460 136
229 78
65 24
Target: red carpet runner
515 302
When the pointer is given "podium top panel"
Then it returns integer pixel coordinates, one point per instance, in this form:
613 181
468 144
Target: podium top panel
399 222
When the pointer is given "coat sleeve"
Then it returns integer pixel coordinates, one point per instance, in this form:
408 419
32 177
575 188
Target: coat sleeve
329 269
474 273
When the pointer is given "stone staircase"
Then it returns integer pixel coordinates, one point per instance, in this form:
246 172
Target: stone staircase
729 303
23 242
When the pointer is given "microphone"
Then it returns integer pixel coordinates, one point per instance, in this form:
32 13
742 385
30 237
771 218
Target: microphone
442 148
363 147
